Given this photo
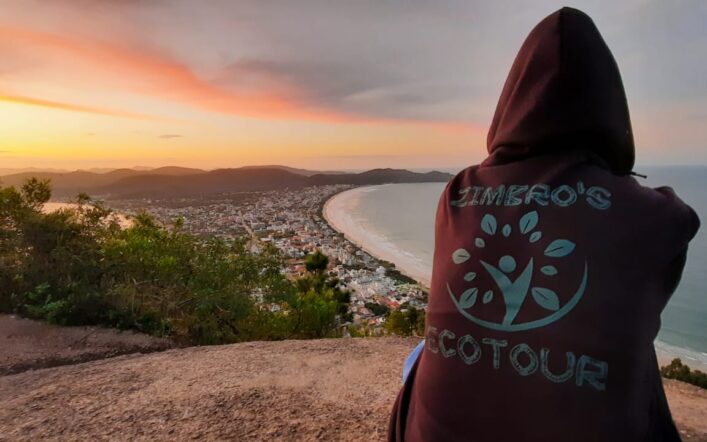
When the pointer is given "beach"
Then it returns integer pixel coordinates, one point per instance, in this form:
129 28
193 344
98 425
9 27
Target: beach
340 212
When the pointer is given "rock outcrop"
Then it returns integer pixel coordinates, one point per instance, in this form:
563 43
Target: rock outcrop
331 389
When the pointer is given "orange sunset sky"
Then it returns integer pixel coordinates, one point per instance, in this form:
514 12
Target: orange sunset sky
318 84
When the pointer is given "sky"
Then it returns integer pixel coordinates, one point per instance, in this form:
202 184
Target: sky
320 84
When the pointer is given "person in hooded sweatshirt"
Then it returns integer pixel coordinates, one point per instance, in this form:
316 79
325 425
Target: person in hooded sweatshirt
552 265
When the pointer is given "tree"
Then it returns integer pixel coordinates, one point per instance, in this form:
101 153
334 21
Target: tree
318 301
406 322
77 266
314 313
36 192
316 262
377 309
398 324
677 370
12 249
419 324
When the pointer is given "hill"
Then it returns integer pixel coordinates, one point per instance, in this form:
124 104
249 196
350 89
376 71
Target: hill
207 183
382 176
330 389
305 172
69 184
249 179
15 170
170 182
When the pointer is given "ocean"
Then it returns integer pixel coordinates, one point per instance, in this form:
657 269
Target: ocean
395 222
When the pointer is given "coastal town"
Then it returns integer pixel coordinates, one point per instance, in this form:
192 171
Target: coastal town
292 221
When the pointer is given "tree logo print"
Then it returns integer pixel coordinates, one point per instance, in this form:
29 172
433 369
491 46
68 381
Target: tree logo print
515 290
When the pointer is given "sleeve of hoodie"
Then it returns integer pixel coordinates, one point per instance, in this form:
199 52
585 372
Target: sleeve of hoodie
686 224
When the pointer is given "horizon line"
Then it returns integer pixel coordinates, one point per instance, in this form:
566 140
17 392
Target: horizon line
138 168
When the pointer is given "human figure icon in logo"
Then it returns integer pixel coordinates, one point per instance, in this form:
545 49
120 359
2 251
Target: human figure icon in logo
514 289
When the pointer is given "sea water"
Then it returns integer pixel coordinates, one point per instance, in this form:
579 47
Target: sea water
403 216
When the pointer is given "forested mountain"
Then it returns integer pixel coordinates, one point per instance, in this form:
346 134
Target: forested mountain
169 182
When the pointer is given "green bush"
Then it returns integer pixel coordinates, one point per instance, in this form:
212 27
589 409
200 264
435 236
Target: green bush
77 267
318 303
681 372
377 309
406 321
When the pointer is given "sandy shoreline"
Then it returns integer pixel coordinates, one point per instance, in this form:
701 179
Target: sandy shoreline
337 211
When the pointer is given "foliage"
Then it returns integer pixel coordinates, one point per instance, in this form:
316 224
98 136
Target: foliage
681 372
318 303
377 309
364 331
78 266
396 274
316 262
406 321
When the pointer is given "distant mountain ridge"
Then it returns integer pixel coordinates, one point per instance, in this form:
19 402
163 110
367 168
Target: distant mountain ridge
71 183
305 172
170 182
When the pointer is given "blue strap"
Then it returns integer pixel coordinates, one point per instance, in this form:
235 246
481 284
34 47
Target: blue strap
411 359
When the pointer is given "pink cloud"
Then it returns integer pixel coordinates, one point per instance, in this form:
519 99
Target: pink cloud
157 75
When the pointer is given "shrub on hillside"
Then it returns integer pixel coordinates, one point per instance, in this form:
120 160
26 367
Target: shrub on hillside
77 266
407 321
681 372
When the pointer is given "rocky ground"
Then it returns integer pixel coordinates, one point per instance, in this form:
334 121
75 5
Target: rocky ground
27 344
338 389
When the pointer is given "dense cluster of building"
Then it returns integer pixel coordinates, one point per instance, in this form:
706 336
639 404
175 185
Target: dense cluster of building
292 221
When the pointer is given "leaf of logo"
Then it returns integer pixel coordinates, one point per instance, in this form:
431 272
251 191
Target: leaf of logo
559 248
460 255
469 276
545 298
488 224
468 298
506 230
549 270
528 222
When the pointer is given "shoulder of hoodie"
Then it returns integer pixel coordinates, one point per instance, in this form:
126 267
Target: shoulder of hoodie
663 200
645 199
454 182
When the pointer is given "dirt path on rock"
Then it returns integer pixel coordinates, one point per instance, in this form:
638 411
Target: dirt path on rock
339 389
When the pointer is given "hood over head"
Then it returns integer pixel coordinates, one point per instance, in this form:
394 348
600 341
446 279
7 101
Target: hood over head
564 92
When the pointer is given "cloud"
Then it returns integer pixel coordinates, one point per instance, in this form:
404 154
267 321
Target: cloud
344 93
250 87
31 101
316 84
153 74
169 136
4 152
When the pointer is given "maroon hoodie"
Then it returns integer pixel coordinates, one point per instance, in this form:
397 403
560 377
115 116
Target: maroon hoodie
552 266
